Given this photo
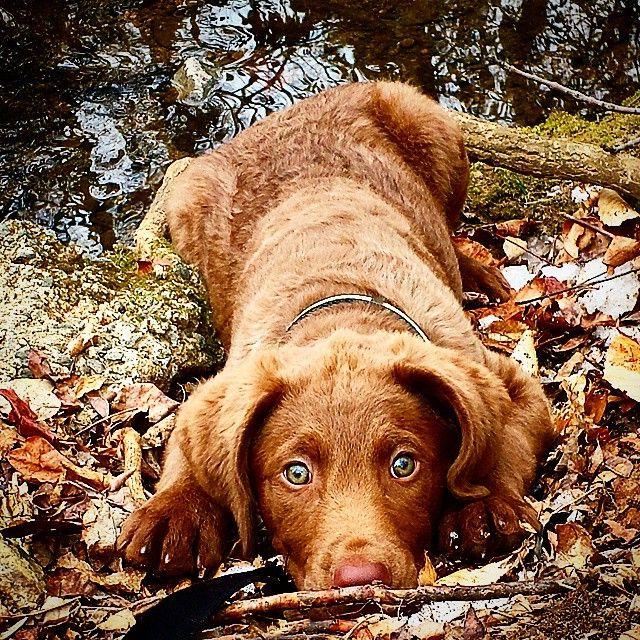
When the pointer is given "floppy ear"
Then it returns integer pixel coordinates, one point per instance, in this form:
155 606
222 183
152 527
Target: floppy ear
480 403
214 428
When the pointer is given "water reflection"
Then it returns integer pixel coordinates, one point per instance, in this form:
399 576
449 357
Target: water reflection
90 119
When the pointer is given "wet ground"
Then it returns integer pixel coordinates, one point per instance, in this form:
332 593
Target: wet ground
89 118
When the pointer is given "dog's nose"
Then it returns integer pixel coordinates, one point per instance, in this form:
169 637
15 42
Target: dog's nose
356 571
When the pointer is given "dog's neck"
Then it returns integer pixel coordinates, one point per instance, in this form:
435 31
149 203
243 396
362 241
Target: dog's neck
359 298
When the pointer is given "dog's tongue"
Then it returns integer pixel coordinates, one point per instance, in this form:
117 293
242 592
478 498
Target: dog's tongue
181 615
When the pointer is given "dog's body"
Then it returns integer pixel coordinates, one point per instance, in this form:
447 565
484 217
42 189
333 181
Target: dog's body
354 191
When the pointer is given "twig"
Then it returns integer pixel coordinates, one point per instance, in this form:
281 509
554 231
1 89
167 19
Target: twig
385 596
623 146
131 445
578 95
111 416
585 284
588 225
287 629
526 250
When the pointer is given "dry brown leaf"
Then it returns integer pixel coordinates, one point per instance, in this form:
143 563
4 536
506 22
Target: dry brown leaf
37 461
487 574
621 250
622 366
37 393
145 397
87 384
38 364
576 239
475 250
427 575
514 227
574 547
613 210
514 247
119 621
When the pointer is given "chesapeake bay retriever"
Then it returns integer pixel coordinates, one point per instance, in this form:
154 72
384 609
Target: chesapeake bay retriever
357 413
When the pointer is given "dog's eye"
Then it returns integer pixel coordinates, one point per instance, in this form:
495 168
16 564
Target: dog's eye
403 466
297 473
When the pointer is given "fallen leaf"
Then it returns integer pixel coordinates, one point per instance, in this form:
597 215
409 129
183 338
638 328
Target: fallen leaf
613 210
120 621
576 239
525 354
87 384
488 574
38 364
514 247
102 522
37 461
38 394
24 419
514 227
58 610
81 342
632 634
620 251
475 250
473 628
574 547
622 365
427 575
145 397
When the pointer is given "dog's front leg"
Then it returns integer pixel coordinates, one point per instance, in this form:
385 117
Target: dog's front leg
499 521
180 530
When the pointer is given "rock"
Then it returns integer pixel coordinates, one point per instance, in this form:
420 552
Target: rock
99 316
21 580
192 82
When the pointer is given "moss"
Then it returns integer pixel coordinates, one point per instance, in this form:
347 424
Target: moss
499 194
607 131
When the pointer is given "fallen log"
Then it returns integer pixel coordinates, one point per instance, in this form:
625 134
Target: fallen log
524 151
302 600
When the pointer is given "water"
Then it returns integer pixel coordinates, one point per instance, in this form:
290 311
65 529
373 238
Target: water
89 118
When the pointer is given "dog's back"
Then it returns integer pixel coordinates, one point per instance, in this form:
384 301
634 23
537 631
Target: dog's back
385 138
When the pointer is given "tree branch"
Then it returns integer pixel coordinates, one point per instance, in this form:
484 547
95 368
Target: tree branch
526 152
578 95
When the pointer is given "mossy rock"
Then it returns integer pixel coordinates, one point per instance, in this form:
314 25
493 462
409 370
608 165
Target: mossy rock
154 327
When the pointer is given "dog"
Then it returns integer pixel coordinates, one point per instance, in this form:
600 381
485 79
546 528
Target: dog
358 414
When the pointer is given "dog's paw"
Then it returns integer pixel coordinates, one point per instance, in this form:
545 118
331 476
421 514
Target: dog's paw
486 527
177 532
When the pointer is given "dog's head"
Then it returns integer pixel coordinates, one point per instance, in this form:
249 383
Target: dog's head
347 449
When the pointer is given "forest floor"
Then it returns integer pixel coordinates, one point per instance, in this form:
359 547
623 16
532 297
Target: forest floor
79 451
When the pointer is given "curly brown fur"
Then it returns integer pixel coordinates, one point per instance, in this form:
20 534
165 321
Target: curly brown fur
355 190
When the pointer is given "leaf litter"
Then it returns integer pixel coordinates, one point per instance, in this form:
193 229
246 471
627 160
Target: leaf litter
78 455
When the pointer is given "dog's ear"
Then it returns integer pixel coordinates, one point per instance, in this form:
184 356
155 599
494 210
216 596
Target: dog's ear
214 429
479 401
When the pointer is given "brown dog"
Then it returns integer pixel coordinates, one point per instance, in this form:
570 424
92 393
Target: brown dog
352 433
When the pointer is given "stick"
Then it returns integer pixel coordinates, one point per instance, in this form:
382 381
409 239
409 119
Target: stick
131 445
623 146
586 284
578 95
588 225
383 595
287 629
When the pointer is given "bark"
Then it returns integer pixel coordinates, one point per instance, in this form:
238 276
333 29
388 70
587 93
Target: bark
526 152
